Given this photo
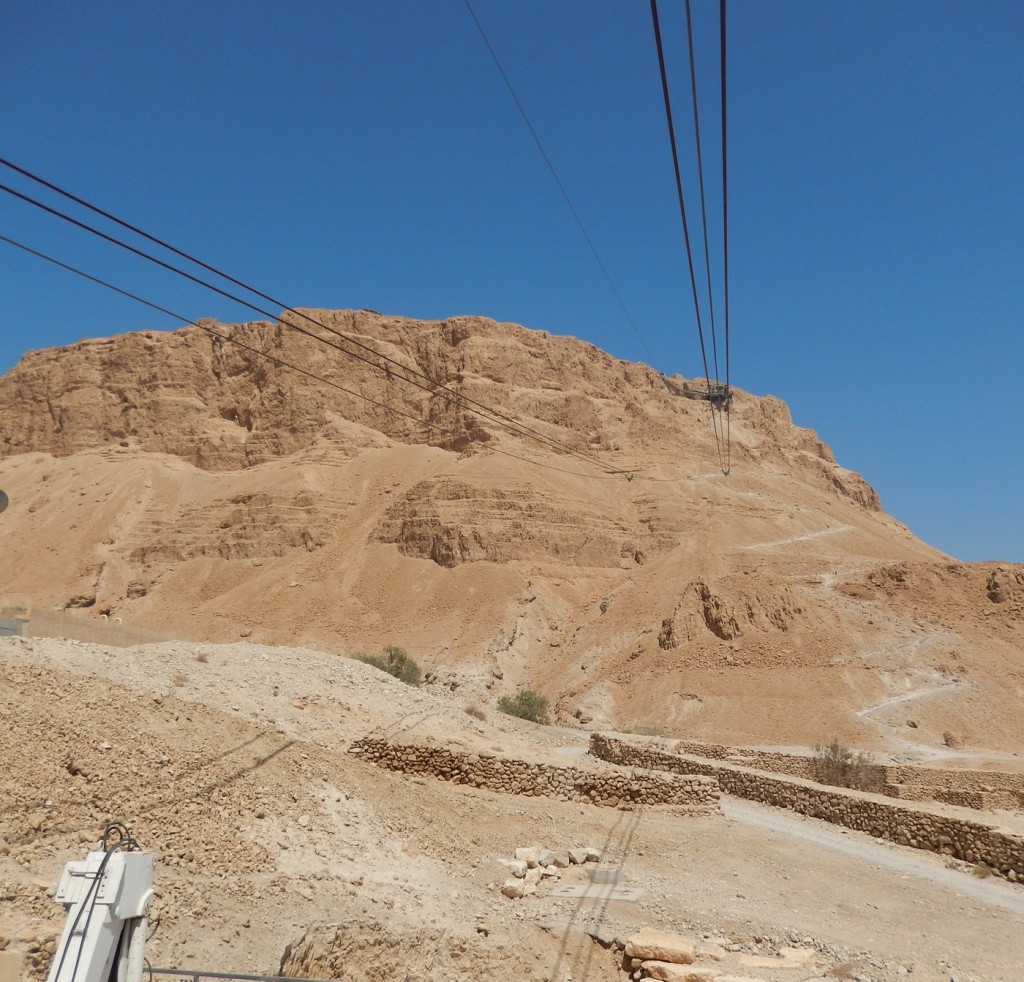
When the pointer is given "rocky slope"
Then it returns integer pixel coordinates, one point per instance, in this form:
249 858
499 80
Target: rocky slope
198 488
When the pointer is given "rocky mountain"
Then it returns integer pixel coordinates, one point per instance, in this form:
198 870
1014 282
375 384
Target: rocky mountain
200 488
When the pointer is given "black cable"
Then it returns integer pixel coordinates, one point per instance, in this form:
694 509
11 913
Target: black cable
725 236
700 176
496 416
90 900
295 368
554 174
682 213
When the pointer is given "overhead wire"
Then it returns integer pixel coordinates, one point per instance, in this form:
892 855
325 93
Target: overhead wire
466 402
686 229
403 374
313 375
700 177
558 180
725 230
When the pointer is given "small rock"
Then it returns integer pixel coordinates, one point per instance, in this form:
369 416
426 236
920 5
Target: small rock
517 867
672 972
529 856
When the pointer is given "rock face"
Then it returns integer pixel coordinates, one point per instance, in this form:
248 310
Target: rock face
578 537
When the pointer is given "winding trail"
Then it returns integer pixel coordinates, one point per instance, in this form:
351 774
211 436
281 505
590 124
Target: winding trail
909 697
801 538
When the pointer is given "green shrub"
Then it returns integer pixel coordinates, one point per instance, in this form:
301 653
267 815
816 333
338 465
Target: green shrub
526 704
395 661
836 764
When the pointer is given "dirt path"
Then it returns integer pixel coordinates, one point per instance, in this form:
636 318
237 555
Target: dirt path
801 538
926 867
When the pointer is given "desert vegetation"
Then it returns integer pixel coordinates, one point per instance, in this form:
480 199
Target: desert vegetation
526 704
395 661
836 764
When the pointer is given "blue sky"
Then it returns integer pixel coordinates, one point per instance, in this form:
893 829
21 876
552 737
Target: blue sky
351 154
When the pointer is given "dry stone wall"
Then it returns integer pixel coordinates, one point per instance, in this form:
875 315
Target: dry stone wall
970 789
615 787
971 841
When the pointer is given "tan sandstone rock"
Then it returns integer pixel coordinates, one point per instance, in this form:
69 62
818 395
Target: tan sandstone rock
661 946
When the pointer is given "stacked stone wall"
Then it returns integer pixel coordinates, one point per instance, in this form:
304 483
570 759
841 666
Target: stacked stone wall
969 788
616 787
971 841
954 780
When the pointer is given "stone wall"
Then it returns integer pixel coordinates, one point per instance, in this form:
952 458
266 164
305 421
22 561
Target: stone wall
971 841
972 789
616 787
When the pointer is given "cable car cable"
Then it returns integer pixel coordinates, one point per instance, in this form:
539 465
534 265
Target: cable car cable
496 416
682 213
434 387
558 180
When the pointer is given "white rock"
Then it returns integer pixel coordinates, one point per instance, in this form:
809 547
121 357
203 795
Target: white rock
577 856
529 855
802 956
593 855
545 857
661 946
517 867
512 888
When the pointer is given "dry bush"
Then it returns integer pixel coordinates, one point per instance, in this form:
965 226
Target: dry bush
836 764
526 704
982 870
202 657
476 712
395 661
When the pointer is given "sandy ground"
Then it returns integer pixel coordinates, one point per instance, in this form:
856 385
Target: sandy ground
229 762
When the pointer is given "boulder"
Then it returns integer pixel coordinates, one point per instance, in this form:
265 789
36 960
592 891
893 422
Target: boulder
517 867
529 855
802 956
673 972
660 946
513 888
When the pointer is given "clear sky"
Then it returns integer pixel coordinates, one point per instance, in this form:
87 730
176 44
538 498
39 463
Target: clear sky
358 154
